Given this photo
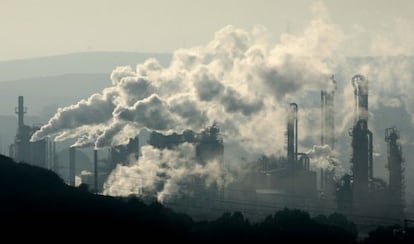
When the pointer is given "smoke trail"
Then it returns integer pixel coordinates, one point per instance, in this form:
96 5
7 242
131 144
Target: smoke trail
234 80
164 172
322 157
238 80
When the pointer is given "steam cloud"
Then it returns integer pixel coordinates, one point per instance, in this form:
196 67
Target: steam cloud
238 80
166 172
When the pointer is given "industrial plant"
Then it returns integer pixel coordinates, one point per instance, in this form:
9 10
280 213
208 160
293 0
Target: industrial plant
271 182
39 153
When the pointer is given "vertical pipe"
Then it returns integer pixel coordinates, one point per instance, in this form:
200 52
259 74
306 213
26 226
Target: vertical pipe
95 164
72 162
355 105
322 179
370 154
322 117
307 163
54 155
291 137
20 112
332 112
49 154
296 134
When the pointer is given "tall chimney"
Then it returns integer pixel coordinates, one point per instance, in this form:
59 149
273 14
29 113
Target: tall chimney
72 162
95 164
20 111
328 115
292 135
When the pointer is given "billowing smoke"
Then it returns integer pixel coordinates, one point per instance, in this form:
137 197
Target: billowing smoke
322 157
165 172
234 80
239 81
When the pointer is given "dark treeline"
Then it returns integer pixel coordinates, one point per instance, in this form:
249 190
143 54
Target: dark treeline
36 201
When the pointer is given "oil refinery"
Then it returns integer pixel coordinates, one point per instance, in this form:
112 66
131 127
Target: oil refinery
272 182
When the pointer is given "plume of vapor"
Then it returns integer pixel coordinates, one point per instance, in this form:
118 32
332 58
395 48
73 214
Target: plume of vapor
238 80
322 157
164 173
235 80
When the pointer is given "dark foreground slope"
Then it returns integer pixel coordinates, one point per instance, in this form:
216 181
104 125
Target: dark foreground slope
36 203
36 200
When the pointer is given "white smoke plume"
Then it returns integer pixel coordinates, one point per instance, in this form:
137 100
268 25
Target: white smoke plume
322 157
238 80
166 173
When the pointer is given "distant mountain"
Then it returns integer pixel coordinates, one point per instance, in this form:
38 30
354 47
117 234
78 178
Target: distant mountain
42 95
78 63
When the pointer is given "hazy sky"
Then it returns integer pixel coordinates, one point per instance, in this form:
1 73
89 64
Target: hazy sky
46 27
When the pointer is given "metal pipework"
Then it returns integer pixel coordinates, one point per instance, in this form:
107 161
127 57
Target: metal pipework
362 141
328 115
360 85
95 165
396 170
72 163
304 161
292 134
370 156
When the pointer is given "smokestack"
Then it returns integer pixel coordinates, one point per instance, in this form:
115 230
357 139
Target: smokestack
328 115
20 111
292 135
322 179
362 142
396 169
361 98
72 162
323 96
56 166
95 164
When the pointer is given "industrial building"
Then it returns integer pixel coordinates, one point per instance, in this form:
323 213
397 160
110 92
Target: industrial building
117 155
278 182
208 143
271 182
327 182
120 154
361 193
40 153
291 175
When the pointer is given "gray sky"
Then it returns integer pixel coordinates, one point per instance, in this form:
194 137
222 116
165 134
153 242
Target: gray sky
46 27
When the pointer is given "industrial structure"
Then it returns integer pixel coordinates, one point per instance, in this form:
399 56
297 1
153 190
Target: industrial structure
40 153
327 184
96 178
362 146
208 143
395 166
120 154
278 182
72 165
328 115
292 136
299 179
285 181
362 194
